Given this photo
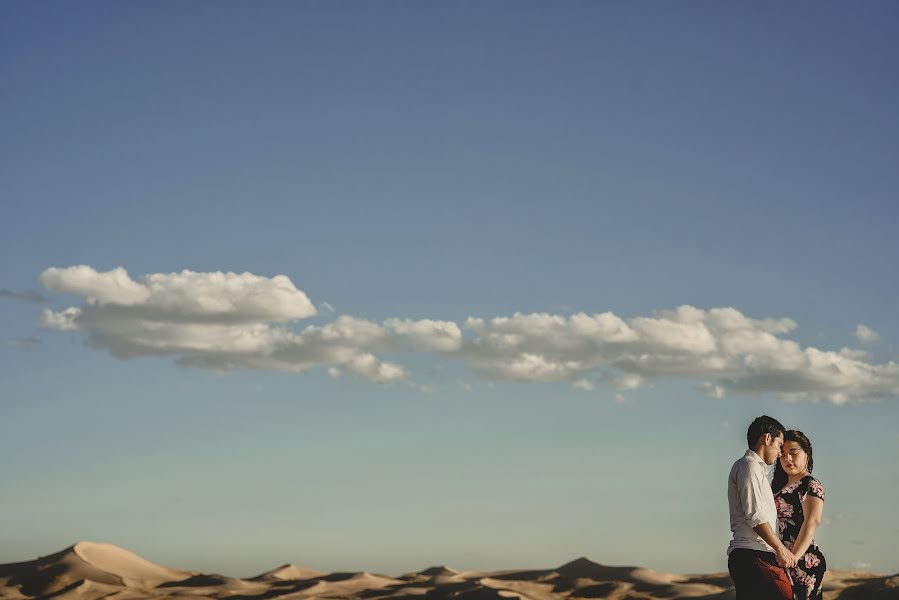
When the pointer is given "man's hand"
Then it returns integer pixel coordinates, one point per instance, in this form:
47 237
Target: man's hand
785 558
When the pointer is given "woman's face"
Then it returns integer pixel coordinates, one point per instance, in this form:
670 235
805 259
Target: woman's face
793 458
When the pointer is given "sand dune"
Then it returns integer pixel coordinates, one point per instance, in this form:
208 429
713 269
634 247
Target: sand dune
91 571
287 572
93 565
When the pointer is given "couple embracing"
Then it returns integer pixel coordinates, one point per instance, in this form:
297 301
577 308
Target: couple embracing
773 554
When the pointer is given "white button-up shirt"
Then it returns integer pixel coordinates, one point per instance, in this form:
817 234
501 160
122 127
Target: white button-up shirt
751 502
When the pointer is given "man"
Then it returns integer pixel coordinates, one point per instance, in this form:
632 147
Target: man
756 556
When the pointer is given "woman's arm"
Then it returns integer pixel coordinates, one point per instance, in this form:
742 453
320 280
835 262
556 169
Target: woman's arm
812 509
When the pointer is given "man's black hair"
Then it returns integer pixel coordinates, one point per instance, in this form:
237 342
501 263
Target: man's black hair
761 426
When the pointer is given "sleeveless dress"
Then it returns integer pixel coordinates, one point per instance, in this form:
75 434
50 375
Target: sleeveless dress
808 575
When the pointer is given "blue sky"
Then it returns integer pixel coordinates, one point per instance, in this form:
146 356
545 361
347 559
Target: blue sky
428 161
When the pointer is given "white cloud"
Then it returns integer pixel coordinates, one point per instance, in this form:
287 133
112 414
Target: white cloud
220 321
368 367
711 390
866 335
443 336
620 399
346 343
113 286
184 297
583 384
860 565
224 321
630 381
64 320
739 353
535 367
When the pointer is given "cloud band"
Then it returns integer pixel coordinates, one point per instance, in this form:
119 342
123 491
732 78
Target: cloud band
225 321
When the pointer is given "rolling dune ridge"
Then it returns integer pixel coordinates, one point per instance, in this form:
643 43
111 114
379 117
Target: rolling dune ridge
91 571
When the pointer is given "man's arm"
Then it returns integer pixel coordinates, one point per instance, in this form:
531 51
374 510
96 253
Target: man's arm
749 490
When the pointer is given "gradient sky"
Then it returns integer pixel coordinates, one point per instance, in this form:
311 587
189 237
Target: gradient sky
426 160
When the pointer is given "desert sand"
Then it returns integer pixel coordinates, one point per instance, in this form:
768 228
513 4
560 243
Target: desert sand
90 571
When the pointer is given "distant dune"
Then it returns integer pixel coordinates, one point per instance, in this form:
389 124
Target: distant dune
91 571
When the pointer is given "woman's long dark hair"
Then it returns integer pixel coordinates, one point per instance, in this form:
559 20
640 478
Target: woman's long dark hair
780 476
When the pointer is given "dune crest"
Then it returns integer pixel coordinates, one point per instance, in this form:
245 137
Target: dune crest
438 570
288 572
128 567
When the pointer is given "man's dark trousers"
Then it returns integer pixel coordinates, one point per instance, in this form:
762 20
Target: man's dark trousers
757 576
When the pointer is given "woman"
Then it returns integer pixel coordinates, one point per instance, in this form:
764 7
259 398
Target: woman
800 503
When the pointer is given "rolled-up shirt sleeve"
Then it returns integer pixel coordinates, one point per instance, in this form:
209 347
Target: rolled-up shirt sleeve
749 491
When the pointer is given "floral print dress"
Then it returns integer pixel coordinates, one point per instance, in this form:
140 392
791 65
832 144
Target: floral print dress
808 575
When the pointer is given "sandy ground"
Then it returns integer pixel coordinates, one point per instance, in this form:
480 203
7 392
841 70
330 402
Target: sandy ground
90 571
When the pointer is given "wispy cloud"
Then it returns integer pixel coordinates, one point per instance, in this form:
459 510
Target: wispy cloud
583 384
24 342
866 335
711 390
27 296
225 321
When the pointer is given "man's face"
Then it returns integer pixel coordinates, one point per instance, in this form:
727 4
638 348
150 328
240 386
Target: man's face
773 445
